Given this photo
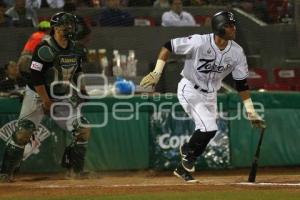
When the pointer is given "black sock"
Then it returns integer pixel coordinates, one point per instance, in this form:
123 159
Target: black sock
198 142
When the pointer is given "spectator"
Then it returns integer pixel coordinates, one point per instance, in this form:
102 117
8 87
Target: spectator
36 4
27 52
11 79
161 4
4 20
28 3
286 13
114 16
56 3
45 3
21 16
176 16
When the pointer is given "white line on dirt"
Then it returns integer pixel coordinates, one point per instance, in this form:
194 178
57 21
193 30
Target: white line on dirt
160 185
269 184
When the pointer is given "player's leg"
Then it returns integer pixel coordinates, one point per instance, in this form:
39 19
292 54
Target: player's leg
202 109
74 154
14 150
184 174
194 148
30 115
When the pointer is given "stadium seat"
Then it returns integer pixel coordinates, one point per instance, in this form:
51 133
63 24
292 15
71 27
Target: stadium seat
257 78
297 87
201 19
290 76
277 87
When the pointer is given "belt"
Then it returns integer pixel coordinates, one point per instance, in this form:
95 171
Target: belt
202 90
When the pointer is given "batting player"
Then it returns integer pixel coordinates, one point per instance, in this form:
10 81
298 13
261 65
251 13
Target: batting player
209 59
55 63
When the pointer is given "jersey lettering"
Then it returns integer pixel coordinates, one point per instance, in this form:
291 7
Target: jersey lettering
209 66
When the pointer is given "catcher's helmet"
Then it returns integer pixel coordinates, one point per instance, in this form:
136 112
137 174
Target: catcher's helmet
67 20
219 20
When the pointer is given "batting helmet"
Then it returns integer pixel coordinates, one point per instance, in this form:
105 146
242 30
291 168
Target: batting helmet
219 20
67 20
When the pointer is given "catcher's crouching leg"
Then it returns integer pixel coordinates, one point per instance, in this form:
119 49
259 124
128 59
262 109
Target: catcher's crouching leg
74 155
13 152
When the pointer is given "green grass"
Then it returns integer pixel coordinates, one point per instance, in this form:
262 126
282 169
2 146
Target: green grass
205 195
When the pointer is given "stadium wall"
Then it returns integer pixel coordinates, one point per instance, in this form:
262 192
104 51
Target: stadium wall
144 132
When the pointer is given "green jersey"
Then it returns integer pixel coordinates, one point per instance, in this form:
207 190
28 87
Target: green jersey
55 67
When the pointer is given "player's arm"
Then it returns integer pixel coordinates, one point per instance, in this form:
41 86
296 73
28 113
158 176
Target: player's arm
179 46
254 118
37 70
153 77
42 92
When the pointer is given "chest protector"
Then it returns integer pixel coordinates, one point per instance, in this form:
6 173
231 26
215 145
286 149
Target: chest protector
62 65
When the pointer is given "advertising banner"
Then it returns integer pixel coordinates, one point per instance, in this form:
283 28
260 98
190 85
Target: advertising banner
169 130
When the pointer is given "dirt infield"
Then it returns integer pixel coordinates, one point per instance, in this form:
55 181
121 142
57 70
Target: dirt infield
135 182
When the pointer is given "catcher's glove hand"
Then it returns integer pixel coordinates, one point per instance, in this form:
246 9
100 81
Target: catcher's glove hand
256 121
150 80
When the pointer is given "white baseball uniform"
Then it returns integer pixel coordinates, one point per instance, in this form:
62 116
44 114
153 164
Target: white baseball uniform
204 69
170 18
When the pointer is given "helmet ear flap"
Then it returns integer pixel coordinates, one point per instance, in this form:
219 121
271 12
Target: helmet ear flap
222 31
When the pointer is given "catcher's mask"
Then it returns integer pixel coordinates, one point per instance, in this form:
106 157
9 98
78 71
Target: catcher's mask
220 20
68 23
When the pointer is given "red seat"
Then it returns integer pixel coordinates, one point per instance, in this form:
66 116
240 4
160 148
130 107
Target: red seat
201 19
288 75
257 78
297 87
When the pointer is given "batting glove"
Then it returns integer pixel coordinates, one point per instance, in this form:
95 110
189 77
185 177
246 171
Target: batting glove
150 80
256 121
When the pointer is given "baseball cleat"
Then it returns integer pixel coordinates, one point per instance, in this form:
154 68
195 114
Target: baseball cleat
186 176
187 164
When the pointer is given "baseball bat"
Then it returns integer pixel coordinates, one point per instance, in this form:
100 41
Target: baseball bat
252 174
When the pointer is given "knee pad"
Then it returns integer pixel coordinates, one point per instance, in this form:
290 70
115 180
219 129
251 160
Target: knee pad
24 132
81 133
